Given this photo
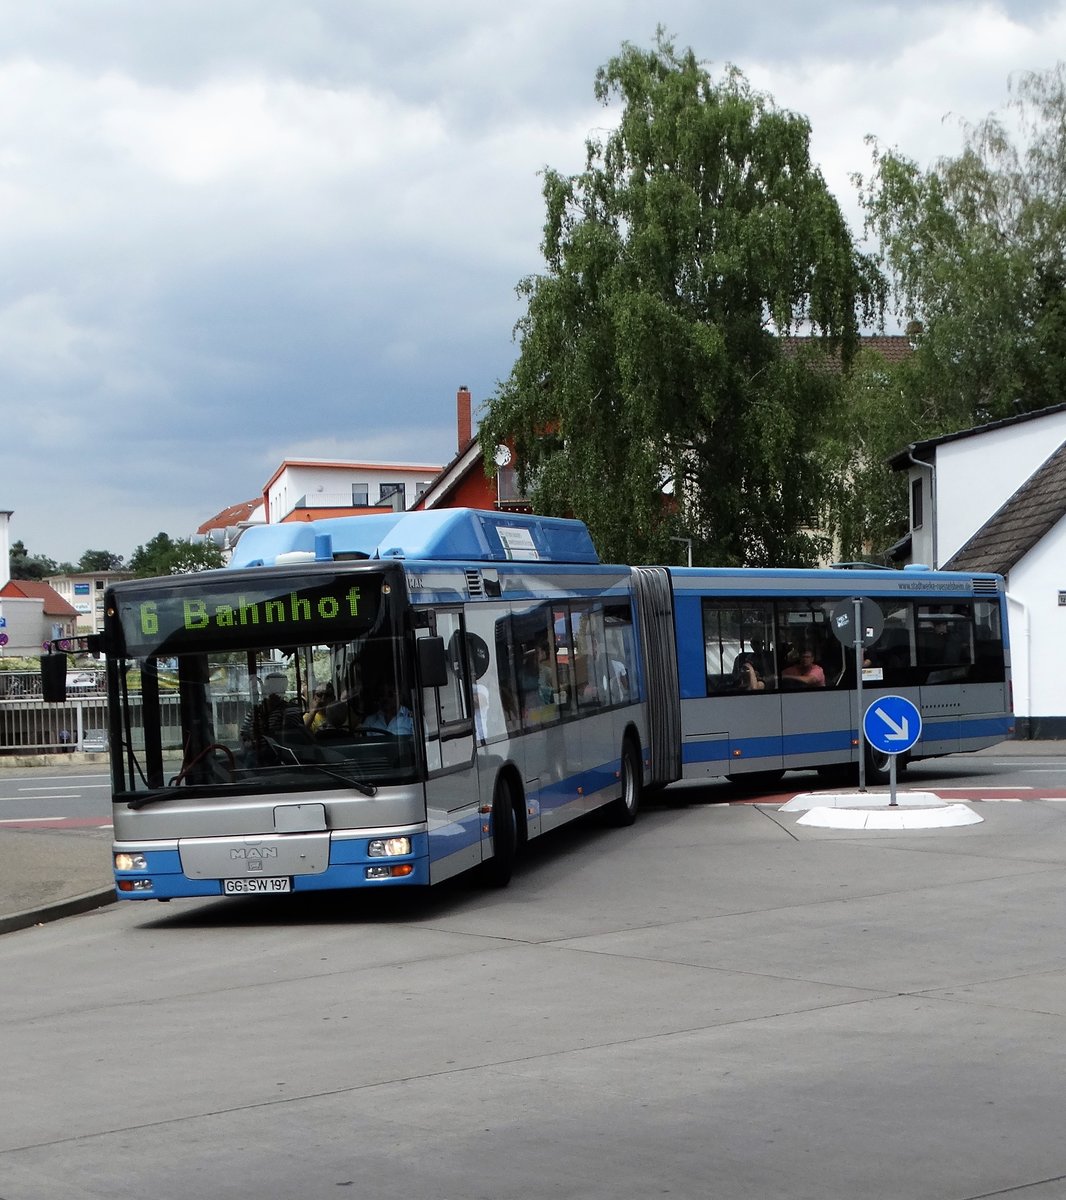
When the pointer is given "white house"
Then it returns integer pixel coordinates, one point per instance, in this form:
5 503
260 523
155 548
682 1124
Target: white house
309 488
993 498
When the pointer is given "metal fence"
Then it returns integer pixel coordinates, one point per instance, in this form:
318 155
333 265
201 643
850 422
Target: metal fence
30 726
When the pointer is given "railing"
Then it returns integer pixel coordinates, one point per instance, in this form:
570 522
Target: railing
29 726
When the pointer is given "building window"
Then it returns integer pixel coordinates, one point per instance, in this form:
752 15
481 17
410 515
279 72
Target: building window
916 504
394 494
360 495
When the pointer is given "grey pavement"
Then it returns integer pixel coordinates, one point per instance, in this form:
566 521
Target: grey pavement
48 874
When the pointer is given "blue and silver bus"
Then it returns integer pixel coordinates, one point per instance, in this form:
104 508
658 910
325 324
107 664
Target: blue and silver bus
391 700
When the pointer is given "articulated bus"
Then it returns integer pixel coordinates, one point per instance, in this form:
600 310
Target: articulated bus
392 700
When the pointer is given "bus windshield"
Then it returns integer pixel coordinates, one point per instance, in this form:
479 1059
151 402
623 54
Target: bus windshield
226 686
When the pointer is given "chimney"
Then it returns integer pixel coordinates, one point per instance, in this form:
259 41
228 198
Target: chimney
5 548
462 415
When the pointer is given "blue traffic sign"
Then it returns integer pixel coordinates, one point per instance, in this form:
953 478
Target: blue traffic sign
892 724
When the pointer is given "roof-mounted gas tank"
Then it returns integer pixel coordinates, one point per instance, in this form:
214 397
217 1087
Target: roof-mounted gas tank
441 534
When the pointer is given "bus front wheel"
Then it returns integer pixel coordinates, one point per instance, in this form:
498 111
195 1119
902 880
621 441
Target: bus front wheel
496 871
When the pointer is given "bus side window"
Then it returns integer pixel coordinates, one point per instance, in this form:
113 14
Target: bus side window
535 659
563 649
595 680
453 694
506 675
618 637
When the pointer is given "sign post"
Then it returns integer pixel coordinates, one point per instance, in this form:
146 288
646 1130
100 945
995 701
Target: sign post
892 724
858 623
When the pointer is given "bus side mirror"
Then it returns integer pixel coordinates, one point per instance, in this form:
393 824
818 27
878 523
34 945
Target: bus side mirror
54 677
432 662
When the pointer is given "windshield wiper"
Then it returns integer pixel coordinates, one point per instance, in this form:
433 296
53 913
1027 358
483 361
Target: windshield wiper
367 789
170 793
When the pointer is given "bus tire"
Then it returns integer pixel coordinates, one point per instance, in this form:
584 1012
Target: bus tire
623 809
877 765
496 871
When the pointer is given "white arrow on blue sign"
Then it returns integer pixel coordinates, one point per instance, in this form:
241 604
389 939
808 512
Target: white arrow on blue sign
892 724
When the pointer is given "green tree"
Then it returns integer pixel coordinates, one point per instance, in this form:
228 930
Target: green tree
100 560
23 565
975 248
866 502
163 555
649 357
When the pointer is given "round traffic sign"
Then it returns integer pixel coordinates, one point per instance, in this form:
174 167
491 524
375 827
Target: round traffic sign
3 639
892 724
872 621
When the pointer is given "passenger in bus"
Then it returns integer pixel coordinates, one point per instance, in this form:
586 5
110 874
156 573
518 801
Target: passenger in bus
748 679
322 711
805 672
391 716
761 658
346 712
267 719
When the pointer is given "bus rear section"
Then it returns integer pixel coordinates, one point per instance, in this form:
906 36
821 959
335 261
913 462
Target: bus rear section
767 687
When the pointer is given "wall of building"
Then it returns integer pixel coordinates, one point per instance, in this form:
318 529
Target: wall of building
84 591
1038 637
330 486
25 626
976 475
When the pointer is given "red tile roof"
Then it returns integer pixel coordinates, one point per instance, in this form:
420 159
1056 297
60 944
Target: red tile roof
232 515
35 589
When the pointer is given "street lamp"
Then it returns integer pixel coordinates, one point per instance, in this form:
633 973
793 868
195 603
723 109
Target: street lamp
687 542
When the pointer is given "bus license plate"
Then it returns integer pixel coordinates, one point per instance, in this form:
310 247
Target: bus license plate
280 883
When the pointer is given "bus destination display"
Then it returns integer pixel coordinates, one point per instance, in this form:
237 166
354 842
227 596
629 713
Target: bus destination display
215 616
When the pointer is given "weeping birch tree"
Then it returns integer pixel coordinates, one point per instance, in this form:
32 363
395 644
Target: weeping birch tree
654 395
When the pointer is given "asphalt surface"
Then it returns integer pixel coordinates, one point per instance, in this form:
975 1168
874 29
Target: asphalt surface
49 874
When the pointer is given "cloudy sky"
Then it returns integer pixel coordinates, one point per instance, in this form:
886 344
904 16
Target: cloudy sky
234 231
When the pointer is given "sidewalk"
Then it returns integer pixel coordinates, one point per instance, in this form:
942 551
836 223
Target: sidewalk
45 874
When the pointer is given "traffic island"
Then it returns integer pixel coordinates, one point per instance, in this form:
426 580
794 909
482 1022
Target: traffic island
878 810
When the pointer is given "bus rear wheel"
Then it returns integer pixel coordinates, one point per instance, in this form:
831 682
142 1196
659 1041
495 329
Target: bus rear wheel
623 810
497 870
877 765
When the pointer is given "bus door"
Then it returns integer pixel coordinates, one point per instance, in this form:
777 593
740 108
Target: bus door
817 694
452 796
944 640
553 784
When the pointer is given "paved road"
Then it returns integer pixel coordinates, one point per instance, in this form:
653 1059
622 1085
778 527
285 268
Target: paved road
717 1003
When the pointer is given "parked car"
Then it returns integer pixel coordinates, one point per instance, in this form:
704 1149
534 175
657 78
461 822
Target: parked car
95 740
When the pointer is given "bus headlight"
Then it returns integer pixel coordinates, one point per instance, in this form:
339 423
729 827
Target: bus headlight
388 847
130 862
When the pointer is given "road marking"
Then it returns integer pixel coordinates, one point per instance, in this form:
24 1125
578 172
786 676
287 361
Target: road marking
54 786
979 788
50 796
58 822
